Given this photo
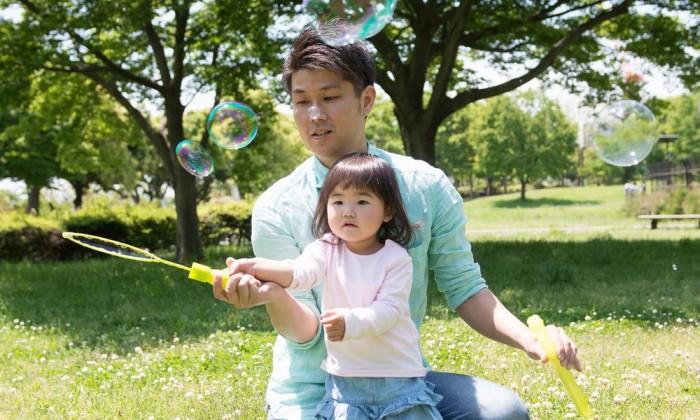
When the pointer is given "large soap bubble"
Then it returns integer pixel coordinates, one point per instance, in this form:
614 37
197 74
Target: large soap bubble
232 125
342 22
194 158
624 133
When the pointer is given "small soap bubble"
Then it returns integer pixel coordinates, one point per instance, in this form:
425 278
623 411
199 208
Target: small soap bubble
314 112
675 267
194 158
232 125
624 133
342 22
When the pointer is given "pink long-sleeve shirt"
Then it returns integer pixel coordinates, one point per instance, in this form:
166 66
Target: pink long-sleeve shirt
372 292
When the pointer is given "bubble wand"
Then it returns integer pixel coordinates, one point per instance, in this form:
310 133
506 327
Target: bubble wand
197 272
537 326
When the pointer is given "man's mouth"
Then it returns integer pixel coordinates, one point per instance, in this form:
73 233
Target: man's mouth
320 133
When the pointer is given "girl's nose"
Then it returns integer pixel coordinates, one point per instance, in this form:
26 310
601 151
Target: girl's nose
348 212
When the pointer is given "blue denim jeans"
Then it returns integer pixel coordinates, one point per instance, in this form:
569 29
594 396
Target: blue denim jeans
468 397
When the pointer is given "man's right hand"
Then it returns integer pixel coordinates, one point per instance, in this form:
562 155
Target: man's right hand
245 291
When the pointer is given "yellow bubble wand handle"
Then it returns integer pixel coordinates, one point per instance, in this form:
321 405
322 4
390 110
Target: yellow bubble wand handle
537 326
205 274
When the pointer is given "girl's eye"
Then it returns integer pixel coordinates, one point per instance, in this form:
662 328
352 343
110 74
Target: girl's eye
363 202
337 203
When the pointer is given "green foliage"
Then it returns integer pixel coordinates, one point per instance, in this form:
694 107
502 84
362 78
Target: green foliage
677 201
146 226
226 223
383 127
525 137
682 117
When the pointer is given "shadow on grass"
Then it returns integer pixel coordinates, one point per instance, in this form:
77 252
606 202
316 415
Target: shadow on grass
643 282
115 305
541 202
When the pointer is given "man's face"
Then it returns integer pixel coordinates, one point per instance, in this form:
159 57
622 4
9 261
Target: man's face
329 114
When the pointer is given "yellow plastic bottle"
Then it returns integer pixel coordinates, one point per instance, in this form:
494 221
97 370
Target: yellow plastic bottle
537 326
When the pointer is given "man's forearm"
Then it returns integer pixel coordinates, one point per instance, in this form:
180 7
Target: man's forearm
487 315
292 319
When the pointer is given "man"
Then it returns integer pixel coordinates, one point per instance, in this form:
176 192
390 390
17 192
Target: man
332 90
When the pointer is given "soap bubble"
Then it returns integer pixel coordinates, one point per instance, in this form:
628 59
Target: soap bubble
342 22
194 158
624 133
232 125
314 112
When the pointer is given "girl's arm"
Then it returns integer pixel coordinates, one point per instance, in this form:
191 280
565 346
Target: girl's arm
280 272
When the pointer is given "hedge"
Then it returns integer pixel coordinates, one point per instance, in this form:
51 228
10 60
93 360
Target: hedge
38 238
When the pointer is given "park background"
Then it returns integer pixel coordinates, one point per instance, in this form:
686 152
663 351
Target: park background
97 96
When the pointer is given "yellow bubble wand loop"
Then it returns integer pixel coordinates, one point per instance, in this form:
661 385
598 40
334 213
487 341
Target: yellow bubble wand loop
197 272
537 326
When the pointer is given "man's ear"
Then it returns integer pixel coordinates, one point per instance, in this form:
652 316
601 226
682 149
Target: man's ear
367 98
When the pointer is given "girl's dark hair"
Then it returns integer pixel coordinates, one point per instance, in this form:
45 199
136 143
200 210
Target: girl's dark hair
365 172
352 62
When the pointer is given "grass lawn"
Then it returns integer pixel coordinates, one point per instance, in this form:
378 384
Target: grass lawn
110 338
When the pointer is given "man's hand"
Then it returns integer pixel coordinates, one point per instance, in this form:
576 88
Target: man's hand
245 291
334 324
567 352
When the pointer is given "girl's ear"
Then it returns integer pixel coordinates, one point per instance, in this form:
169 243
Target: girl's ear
388 214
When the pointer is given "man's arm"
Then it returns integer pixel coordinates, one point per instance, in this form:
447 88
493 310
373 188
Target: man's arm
291 318
487 315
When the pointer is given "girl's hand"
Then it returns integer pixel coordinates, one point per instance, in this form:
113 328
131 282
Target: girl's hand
334 324
241 265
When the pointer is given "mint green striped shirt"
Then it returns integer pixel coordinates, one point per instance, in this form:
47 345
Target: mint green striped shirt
282 228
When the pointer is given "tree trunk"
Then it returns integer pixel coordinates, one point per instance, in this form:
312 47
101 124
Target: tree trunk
33 200
418 136
188 243
523 183
79 189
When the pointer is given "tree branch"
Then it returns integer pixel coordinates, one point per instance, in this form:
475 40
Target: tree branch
156 45
466 97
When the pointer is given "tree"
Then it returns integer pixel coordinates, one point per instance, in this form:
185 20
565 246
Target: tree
526 137
682 118
431 54
382 127
153 52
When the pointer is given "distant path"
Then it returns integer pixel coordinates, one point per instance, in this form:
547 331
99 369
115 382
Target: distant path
546 229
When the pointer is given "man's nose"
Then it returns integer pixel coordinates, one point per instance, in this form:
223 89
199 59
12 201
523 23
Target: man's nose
315 113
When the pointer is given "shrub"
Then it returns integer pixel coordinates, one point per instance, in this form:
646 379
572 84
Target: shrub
39 238
29 237
227 222
678 201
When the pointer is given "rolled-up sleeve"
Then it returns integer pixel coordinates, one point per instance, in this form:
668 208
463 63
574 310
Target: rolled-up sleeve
271 239
457 275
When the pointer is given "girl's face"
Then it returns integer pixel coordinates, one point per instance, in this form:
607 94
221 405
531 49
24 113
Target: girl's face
355 216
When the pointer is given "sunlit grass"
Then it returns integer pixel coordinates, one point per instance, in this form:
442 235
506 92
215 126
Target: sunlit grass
109 338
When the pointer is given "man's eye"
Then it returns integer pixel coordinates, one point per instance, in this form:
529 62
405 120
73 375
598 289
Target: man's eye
330 98
301 102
